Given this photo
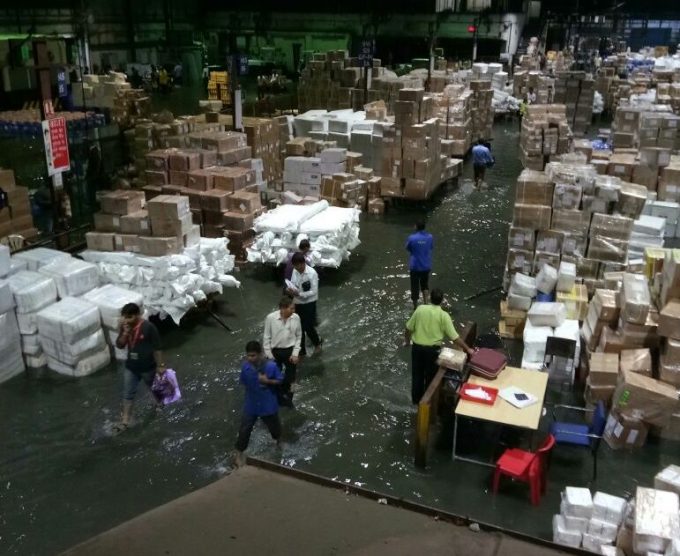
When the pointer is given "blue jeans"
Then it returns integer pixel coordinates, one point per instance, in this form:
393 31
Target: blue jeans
131 382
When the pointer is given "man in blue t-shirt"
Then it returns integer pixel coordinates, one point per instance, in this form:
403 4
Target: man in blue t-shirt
481 160
419 246
261 378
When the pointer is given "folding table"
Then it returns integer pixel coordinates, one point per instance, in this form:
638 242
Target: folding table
502 412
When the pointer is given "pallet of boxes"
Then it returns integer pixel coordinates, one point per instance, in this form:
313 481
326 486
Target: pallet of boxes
576 90
15 216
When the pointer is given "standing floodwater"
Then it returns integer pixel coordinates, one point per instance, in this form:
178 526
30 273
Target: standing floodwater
63 479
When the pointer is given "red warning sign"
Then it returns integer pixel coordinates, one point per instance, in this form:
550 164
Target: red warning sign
56 145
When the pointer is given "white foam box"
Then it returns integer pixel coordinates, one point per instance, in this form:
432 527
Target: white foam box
593 542
71 353
668 479
608 508
564 536
523 285
608 550
578 502
579 524
519 302
311 165
110 300
666 209
28 323
334 155
534 338
566 277
86 366
546 280
330 168
72 277
40 256
602 529
673 548
69 320
5 260
656 519
649 225
32 291
30 344
6 297
549 314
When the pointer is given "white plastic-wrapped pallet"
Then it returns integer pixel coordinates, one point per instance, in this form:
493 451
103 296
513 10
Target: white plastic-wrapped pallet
30 344
40 256
69 320
10 347
535 338
564 536
73 277
88 365
577 502
72 353
656 520
110 299
609 508
5 261
32 291
547 314
6 297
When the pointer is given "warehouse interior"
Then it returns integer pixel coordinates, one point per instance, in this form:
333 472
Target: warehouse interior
173 155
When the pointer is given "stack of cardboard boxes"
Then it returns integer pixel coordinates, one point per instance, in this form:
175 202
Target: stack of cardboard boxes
481 110
15 217
218 87
545 133
264 139
542 85
575 90
453 109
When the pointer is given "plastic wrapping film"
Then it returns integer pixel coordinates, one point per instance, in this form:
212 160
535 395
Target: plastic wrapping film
70 320
40 256
28 323
607 550
86 366
288 218
534 338
6 297
608 249
612 226
579 524
608 508
636 361
169 285
36 361
73 277
634 298
546 280
607 188
547 314
519 302
567 196
632 198
71 353
523 285
570 221
549 241
656 520
573 169
32 291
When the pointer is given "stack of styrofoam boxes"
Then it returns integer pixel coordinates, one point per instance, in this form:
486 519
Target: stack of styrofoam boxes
302 176
668 210
32 292
668 479
542 319
110 299
71 335
608 514
576 510
648 231
361 141
10 339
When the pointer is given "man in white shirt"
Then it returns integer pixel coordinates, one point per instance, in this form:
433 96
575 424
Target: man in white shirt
304 287
281 342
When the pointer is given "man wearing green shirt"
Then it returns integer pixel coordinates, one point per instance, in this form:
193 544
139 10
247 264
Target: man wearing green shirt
427 328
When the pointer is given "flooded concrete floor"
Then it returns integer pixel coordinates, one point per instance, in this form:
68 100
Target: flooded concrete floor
64 479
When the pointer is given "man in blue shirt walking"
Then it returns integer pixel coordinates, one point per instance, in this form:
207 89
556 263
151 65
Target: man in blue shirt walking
419 245
261 378
481 160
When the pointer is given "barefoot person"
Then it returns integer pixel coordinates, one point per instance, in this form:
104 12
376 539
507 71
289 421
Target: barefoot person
144 359
261 379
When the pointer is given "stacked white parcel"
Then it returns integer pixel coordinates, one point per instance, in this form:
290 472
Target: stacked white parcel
32 292
109 300
71 336
10 339
333 233
170 285
542 320
586 521
648 231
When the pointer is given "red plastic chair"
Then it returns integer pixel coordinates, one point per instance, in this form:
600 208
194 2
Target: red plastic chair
528 467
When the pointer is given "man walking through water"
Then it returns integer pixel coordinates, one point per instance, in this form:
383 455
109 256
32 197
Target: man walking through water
481 160
419 245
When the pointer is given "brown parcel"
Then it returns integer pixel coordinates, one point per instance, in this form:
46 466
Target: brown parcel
98 241
242 201
168 207
605 303
653 398
215 200
237 221
168 228
625 431
106 222
593 394
122 202
536 217
135 223
160 246
669 372
669 320
604 369
534 188
636 361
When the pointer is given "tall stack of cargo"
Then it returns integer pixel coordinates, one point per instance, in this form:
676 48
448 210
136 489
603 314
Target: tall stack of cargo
481 111
542 85
10 338
545 133
575 90
15 215
454 108
328 81
264 140
641 127
218 87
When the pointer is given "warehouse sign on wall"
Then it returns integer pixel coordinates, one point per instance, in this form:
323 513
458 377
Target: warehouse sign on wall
56 145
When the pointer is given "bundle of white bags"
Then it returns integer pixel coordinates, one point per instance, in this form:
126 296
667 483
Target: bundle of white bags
333 232
173 284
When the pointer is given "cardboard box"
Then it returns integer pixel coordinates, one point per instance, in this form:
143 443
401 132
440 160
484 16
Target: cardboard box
166 228
536 217
636 361
160 246
604 369
168 207
232 178
522 238
7 180
215 200
606 306
106 222
127 242
100 241
669 320
520 261
534 188
634 298
656 520
242 201
653 398
200 180
121 202
237 221
135 223
611 341
624 431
